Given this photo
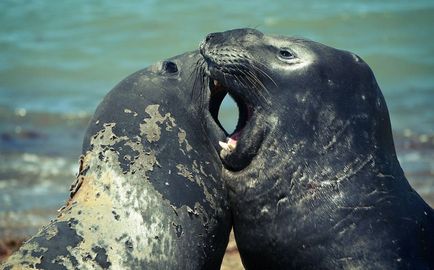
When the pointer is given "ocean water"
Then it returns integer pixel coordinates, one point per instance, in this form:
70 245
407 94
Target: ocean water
59 58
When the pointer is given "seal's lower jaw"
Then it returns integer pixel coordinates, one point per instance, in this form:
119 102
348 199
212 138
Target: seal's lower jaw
242 145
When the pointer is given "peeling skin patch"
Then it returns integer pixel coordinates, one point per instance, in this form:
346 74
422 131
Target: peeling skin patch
143 215
145 229
144 161
49 248
150 128
182 139
130 111
21 259
101 257
129 196
195 174
183 171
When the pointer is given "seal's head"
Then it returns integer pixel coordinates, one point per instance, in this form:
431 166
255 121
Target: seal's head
292 83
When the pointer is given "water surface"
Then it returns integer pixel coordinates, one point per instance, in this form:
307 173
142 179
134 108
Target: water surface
59 58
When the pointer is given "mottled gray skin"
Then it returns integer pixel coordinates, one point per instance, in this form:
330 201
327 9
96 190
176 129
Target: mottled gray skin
314 181
149 193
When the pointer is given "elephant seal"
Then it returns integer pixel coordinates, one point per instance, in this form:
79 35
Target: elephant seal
311 168
149 193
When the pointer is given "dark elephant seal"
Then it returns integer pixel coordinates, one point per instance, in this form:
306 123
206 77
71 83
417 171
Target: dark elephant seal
149 193
313 175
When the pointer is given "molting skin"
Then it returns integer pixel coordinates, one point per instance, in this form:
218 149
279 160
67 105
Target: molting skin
312 171
149 193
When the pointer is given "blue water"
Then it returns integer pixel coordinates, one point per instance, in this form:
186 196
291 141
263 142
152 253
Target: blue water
59 58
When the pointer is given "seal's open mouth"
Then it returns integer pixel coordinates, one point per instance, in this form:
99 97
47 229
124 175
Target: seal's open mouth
228 148
218 93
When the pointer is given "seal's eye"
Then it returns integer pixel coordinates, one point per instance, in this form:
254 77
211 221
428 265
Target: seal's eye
170 67
285 54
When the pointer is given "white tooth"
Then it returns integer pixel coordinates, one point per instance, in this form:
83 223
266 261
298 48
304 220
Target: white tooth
224 145
232 144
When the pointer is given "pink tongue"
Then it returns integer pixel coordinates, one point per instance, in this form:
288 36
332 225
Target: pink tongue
232 142
234 138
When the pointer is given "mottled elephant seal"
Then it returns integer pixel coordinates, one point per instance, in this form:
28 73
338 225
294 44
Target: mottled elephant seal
312 171
149 193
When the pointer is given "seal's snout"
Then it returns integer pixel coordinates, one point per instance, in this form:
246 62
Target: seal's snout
206 42
209 37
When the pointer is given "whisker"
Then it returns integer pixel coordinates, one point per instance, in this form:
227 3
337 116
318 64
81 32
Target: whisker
257 93
258 82
252 81
256 79
254 62
238 79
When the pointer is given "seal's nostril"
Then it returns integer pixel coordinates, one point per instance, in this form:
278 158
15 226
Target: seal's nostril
170 67
209 37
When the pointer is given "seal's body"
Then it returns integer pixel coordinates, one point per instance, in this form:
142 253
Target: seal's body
312 171
149 193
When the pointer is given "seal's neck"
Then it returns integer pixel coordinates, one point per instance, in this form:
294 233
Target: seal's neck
321 146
